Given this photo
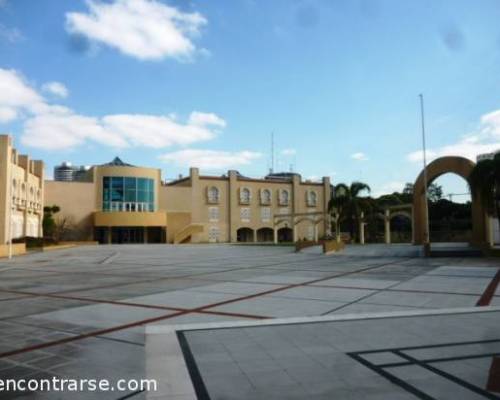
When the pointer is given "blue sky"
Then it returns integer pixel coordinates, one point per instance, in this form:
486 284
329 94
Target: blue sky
174 83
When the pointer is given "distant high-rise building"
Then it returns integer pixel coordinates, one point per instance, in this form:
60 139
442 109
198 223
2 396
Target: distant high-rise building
66 172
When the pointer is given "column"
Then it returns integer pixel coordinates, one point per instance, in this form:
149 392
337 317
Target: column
145 234
387 226
255 235
315 232
491 234
362 228
108 232
275 235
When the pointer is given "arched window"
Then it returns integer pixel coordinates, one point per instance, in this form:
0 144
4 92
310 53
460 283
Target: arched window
265 196
213 195
312 198
245 196
284 197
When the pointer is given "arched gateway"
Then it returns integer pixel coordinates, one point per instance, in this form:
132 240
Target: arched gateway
460 166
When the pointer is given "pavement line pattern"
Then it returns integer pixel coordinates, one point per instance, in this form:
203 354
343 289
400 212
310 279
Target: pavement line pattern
489 292
76 306
180 313
426 363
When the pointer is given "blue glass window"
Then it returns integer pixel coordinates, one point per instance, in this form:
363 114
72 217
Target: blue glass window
127 194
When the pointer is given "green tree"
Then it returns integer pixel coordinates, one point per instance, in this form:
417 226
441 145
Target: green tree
484 181
49 225
348 203
434 192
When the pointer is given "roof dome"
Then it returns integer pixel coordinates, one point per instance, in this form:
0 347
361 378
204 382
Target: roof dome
117 162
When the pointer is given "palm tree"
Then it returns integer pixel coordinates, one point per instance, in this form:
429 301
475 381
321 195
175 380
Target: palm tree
484 181
348 204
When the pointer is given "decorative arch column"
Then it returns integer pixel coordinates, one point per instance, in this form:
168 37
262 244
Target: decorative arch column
457 165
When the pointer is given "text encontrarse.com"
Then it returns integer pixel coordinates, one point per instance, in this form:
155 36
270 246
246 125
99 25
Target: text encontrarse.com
56 384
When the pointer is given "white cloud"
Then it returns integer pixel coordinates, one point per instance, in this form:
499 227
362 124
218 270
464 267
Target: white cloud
210 159
288 152
7 114
145 29
55 127
485 139
56 88
389 188
65 130
204 119
162 131
16 95
359 156
54 130
11 35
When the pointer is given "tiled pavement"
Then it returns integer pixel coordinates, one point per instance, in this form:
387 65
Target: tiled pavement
427 356
81 312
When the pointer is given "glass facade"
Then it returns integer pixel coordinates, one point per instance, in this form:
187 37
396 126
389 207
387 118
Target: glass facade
127 194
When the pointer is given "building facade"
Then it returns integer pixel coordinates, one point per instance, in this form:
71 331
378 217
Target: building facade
21 193
121 203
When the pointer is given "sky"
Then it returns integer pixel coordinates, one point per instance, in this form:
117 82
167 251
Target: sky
172 84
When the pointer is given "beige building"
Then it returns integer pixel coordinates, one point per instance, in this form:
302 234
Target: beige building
21 193
121 203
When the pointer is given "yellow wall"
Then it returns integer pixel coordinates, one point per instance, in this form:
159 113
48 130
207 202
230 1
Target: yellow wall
22 188
185 202
77 203
17 249
123 218
230 208
135 172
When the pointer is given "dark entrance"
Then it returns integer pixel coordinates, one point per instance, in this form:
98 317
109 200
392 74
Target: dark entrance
130 235
285 235
124 235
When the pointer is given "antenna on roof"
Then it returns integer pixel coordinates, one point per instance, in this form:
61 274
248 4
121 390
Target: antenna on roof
272 152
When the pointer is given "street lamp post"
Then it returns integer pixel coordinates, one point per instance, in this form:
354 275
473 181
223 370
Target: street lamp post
9 191
424 152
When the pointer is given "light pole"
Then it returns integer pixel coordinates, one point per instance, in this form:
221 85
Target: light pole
9 191
426 206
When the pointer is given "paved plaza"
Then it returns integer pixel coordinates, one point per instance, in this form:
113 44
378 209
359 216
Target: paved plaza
82 313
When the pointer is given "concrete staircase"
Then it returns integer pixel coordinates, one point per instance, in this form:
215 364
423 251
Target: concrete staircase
184 235
454 250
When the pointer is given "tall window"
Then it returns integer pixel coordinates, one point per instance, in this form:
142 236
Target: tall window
265 214
213 214
213 195
284 197
127 194
213 234
245 214
245 196
312 198
265 197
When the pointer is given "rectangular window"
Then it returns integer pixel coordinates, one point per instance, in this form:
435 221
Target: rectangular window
127 194
213 234
213 214
265 214
245 214
116 188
